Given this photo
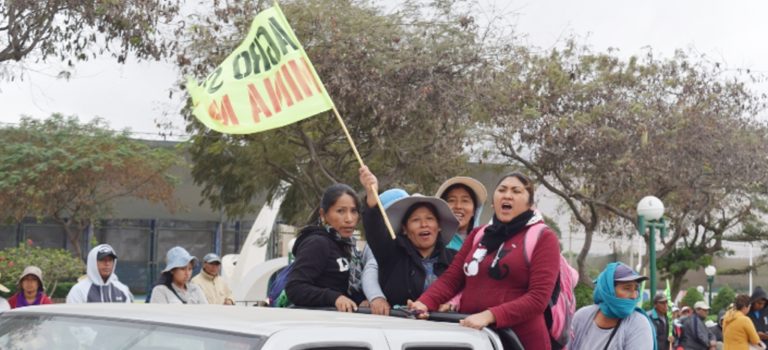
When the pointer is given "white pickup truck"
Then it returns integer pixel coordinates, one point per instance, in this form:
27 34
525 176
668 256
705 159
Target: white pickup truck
218 327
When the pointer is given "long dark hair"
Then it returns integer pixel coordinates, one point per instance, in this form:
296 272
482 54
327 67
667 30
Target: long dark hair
525 180
331 195
334 192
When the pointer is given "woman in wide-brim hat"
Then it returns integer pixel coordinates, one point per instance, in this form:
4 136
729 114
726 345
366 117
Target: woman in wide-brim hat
465 196
30 289
174 286
418 255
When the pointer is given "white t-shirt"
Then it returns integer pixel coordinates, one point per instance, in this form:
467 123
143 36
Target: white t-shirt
634 333
4 306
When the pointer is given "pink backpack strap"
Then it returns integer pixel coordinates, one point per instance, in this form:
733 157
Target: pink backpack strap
479 236
531 238
456 300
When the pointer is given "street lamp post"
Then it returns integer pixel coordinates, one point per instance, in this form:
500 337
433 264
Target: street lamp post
649 214
710 271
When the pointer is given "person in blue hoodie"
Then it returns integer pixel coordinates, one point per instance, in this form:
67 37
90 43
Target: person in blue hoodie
465 196
614 322
101 284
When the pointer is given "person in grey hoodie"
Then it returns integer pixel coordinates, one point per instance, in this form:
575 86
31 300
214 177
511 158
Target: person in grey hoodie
101 284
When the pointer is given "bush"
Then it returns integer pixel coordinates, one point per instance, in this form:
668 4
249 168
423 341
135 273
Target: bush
583 295
58 265
724 297
63 289
691 297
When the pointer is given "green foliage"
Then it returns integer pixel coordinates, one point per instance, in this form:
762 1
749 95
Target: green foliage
72 172
63 289
601 133
405 84
691 297
725 296
58 265
78 30
583 294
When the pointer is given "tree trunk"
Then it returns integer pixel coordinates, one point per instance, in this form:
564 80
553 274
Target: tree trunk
73 234
677 281
581 259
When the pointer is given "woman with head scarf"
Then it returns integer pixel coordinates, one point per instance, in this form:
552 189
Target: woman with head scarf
465 196
500 286
175 287
30 289
327 268
417 256
614 322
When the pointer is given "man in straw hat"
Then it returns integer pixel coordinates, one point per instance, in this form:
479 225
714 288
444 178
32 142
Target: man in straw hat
30 289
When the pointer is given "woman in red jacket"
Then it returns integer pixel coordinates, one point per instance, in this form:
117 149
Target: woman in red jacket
30 289
498 286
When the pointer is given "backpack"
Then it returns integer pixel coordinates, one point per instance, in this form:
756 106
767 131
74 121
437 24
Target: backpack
277 286
562 304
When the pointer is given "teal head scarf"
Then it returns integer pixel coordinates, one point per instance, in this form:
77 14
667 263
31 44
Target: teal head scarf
605 295
612 306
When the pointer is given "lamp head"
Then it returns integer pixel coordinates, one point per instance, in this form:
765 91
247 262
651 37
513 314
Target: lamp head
650 207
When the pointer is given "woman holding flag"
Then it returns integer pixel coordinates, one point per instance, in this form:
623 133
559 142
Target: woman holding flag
410 262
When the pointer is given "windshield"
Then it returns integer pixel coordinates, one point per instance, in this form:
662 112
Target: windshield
30 332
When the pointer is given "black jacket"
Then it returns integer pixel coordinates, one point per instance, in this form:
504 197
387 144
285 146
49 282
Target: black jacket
760 317
662 329
320 273
401 273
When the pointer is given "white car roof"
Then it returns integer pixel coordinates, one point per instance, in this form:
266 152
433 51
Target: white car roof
240 319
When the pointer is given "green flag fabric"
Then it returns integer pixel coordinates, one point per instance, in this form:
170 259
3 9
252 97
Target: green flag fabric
267 82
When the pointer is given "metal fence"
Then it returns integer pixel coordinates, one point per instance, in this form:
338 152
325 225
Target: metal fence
141 244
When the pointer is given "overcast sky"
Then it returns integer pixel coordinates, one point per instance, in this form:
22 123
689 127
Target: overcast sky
135 96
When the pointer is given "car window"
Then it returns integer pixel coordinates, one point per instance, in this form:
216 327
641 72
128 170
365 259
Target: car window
32 332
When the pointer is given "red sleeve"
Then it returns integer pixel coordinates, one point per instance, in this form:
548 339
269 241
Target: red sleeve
12 300
545 265
45 300
451 282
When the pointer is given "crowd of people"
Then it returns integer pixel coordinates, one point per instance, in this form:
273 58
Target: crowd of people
442 259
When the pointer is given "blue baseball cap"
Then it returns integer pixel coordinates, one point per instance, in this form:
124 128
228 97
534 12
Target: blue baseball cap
624 273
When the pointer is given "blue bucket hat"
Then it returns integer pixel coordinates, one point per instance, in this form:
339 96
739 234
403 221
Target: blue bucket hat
177 257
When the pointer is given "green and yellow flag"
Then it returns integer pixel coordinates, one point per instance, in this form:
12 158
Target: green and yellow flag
265 83
668 294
